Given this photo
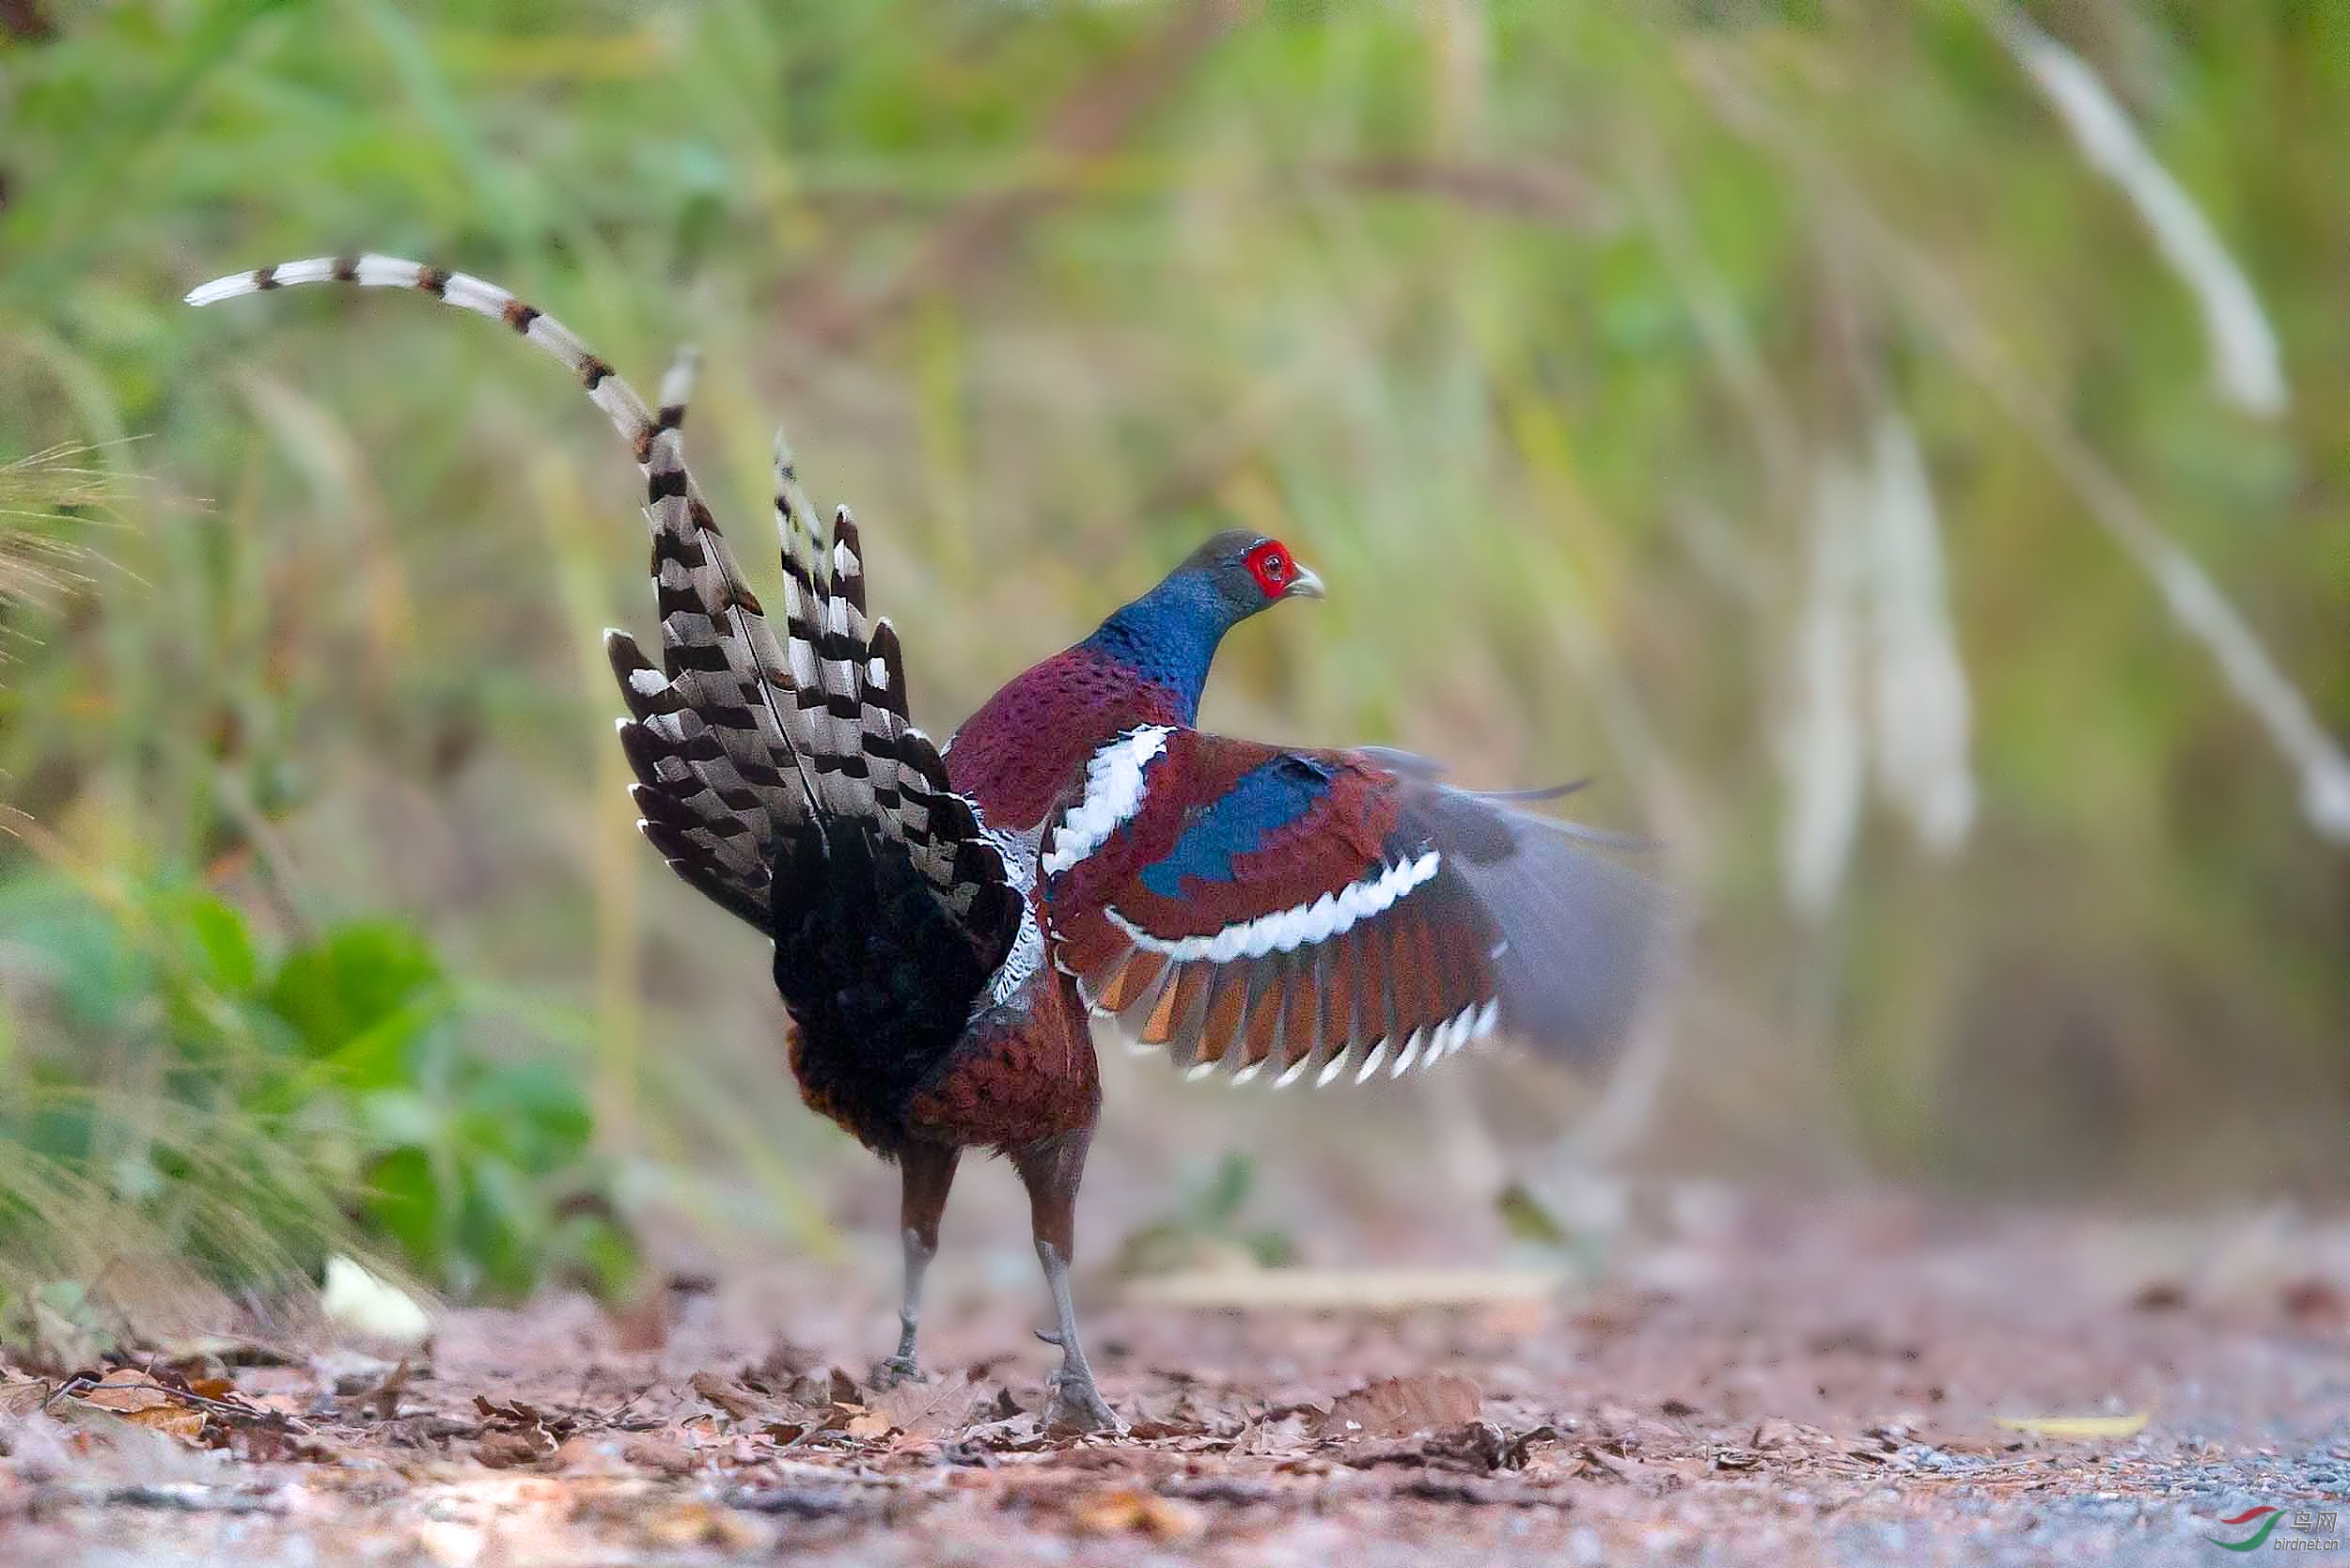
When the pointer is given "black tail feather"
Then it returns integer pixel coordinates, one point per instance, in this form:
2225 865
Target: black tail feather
879 976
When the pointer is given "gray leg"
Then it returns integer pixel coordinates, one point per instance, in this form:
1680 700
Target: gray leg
1051 1171
927 1171
1075 1401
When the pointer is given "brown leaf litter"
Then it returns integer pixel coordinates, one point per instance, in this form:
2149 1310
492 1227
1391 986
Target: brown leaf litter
1826 1387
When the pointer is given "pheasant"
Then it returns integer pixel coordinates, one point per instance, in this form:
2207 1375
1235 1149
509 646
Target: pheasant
948 919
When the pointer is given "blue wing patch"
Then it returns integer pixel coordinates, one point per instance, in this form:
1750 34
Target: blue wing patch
1265 798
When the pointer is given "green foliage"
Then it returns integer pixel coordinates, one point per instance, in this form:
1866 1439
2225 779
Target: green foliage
1207 1223
174 1083
1532 326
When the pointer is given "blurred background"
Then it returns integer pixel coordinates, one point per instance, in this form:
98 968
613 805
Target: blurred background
1899 450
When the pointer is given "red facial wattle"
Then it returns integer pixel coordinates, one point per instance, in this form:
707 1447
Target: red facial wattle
1271 564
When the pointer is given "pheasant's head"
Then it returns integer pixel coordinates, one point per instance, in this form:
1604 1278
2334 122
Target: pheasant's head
1168 637
1247 573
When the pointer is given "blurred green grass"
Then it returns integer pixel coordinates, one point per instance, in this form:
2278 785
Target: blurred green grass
1532 327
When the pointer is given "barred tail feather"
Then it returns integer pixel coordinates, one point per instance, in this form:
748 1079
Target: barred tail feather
876 764
806 588
676 388
881 712
605 389
738 737
705 840
841 653
724 740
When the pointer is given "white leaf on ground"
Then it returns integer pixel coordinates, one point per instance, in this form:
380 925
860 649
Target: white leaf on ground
365 1306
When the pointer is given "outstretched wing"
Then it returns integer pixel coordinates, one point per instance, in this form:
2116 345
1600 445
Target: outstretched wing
738 737
1252 909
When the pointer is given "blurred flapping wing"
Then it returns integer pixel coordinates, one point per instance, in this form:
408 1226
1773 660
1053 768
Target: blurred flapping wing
1254 910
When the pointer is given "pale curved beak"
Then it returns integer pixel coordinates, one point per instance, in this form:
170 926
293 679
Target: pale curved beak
1305 584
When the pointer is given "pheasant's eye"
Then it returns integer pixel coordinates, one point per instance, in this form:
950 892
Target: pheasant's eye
1269 564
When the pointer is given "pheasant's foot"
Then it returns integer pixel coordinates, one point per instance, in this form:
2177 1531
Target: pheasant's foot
1072 1404
892 1370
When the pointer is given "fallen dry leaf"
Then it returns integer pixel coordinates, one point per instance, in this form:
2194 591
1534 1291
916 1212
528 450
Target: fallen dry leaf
1222 1417
1776 1432
2075 1426
925 1410
1399 1407
733 1398
521 1435
22 1396
869 1424
135 1396
1123 1509
125 1391
661 1452
1477 1447
503 1450
172 1420
1269 1437
825 1385
582 1455
515 1412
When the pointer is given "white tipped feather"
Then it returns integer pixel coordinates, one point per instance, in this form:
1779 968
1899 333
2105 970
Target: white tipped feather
1409 1055
1284 931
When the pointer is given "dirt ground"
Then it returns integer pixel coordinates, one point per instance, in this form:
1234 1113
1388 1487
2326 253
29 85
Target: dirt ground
1801 1382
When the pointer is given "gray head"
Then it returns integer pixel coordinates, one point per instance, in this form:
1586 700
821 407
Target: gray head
1247 572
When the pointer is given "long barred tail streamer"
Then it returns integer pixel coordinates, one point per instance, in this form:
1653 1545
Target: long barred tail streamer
737 737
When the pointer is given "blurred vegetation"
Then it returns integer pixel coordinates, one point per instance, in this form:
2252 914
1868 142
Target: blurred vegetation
1547 332
179 1090
1207 1226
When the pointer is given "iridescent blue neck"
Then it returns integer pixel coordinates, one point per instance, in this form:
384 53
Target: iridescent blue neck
1168 638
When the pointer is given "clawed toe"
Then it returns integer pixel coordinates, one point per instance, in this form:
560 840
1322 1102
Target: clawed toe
1074 1404
895 1370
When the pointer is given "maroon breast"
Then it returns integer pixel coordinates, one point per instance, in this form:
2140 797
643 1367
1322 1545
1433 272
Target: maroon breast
1029 742
1024 1073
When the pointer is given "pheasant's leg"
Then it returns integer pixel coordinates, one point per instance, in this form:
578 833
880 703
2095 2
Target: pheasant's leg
1050 1170
927 1171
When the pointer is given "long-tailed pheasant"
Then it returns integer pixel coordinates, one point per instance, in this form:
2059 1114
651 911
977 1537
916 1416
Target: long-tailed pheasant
947 919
